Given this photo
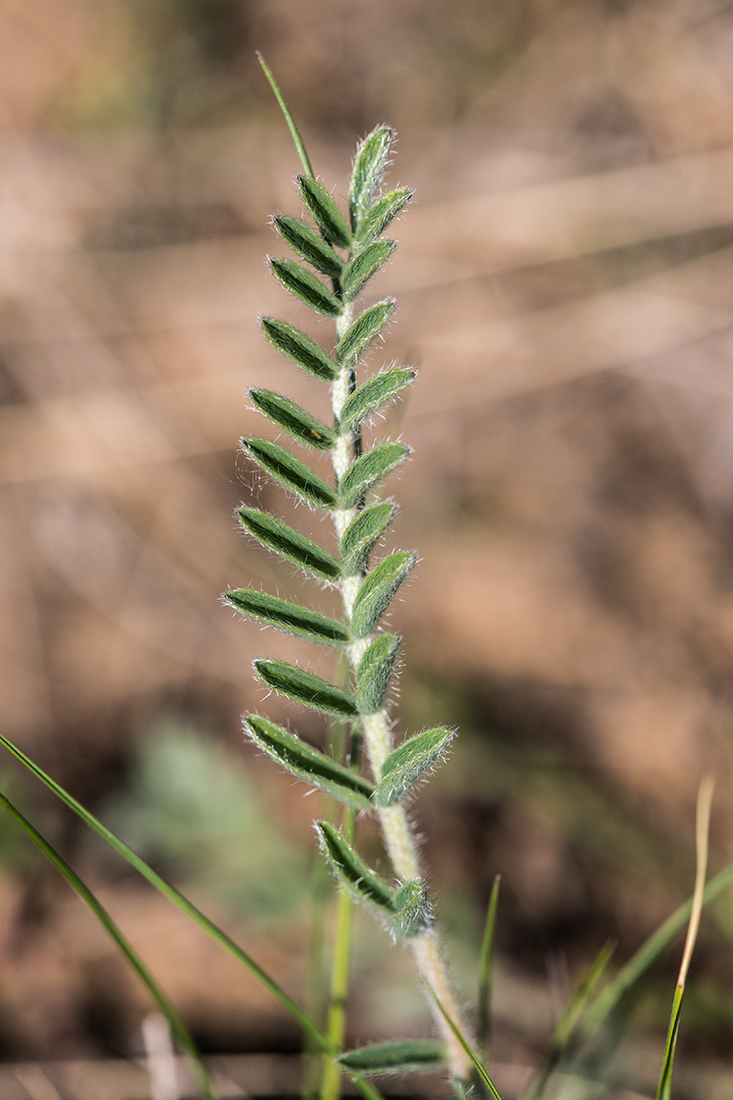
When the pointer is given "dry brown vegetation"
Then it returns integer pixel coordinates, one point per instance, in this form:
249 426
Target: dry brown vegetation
564 284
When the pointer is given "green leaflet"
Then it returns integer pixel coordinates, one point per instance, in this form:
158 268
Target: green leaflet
351 870
374 673
363 533
366 326
293 419
290 544
289 617
304 285
375 392
369 469
365 264
382 212
409 762
400 1056
377 591
310 765
291 473
325 212
413 911
300 348
369 164
306 688
307 243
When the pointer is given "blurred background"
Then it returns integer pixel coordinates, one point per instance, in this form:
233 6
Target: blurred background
565 287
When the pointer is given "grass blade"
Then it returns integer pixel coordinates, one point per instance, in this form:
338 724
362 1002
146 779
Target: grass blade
178 1028
464 1044
294 133
704 805
484 974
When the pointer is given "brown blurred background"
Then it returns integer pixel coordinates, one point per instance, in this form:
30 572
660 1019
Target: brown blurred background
565 285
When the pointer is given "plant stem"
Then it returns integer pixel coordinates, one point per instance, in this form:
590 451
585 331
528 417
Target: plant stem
398 835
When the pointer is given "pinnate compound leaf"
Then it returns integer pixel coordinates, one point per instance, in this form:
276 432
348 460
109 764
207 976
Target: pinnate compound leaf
368 470
378 589
304 687
365 264
384 210
363 533
366 178
409 762
374 393
399 1056
300 621
375 671
291 473
290 544
293 419
413 911
300 348
350 869
305 286
308 244
325 212
310 765
361 333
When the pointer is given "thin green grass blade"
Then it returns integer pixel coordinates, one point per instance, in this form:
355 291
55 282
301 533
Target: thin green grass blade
629 974
173 895
290 617
398 1056
464 1044
304 687
302 1018
297 139
290 544
485 971
702 832
374 393
293 419
305 762
568 1022
308 244
300 348
178 1029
